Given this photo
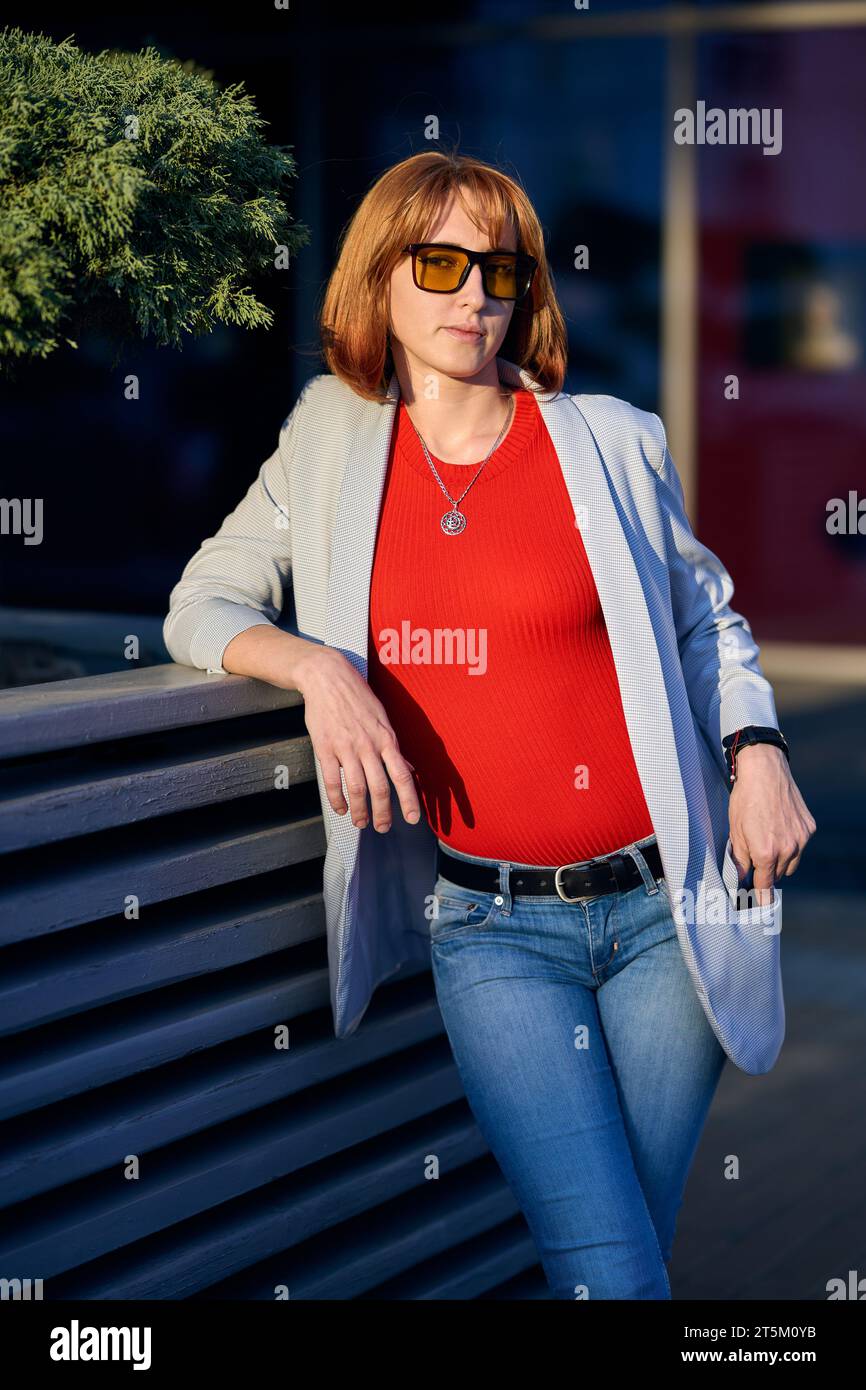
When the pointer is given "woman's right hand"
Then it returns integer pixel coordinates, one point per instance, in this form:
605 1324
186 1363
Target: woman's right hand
349 728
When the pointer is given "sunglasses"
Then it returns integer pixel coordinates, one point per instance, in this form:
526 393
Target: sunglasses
441 268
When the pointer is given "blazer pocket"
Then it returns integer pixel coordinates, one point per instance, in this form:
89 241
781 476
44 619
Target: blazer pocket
768 916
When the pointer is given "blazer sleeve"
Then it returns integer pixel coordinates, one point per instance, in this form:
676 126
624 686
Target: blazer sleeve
720 658
235 580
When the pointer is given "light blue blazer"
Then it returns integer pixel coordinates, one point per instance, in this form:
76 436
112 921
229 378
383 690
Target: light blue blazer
687 665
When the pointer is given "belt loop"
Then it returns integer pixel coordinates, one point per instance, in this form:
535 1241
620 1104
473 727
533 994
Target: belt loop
643 869
505 884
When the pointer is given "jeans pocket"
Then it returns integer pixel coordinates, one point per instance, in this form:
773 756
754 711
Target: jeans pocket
459 910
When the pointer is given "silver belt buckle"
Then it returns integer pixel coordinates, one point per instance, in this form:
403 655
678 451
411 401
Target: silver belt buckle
561 868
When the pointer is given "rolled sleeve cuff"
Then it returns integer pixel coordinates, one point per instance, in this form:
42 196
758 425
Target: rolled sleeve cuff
217 630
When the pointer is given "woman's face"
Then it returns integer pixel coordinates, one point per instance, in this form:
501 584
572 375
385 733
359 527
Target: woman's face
420 321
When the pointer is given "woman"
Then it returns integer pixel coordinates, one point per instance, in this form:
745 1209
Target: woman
498 581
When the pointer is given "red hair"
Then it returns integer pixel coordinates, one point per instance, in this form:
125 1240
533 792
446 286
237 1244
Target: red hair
403 205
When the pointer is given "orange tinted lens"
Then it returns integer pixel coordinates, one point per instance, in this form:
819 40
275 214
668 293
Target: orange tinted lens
502 276
439 269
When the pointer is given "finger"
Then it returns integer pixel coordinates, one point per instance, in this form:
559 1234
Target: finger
794 864
379 788
764 882
742 859
333 785
404 782
356 786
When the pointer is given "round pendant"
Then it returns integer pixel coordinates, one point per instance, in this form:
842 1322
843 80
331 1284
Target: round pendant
453 522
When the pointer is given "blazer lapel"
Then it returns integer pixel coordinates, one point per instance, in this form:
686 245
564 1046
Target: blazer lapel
355 526
348 602
604 529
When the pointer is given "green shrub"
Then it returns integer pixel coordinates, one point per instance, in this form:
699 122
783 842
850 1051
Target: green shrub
151 236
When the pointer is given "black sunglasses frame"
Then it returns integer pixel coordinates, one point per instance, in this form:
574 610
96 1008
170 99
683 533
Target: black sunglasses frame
524 265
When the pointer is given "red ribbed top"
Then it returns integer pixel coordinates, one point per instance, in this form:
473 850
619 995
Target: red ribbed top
498 754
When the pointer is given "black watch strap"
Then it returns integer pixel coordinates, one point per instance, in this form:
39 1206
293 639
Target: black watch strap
751 733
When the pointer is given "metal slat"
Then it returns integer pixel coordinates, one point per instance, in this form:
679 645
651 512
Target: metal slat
37 811
228 1161
82 885
93 709
385 1243
217 1243
154 1030
69 1066
98 965
471 1270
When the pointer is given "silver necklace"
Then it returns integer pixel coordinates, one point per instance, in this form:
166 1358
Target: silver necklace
453 521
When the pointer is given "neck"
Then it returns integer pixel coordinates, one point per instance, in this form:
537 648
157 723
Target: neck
465 417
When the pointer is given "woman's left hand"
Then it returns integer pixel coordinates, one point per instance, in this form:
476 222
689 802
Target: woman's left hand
770 822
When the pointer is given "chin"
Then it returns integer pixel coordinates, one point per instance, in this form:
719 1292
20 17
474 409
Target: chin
468 358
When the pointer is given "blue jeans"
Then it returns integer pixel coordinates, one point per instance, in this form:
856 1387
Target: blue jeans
588 1063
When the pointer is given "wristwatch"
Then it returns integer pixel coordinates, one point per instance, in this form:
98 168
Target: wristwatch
752 733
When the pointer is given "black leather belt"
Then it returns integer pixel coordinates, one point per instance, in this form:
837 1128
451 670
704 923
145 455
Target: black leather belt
589 878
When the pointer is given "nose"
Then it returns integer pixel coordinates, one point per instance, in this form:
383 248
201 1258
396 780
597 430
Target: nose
473 291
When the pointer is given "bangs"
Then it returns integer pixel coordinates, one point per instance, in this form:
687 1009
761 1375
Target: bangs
483 201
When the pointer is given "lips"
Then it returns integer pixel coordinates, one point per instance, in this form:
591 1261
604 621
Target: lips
466 334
